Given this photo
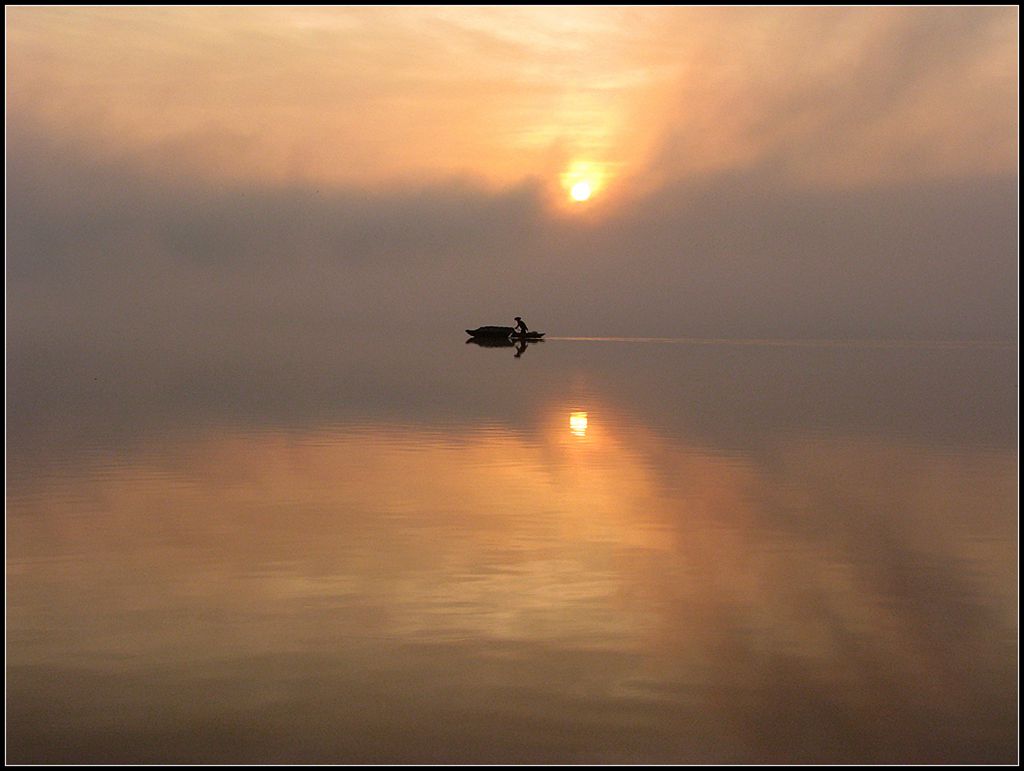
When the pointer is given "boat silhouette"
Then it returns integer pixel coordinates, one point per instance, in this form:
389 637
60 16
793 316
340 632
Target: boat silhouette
502 333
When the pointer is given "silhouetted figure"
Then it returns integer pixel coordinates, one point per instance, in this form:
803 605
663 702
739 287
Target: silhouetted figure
520 326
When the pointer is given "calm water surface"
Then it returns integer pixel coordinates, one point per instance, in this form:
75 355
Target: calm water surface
426 551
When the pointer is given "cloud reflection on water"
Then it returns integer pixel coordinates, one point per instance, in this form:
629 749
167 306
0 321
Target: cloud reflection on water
719 594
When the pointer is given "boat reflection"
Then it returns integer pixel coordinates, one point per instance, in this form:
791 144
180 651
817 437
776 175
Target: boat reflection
503 342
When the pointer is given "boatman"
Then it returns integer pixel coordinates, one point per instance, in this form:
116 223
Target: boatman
520 327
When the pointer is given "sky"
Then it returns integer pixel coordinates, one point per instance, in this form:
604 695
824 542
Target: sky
748 172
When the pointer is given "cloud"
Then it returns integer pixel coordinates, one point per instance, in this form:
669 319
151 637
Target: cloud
362 96
736 254
843 96
820 173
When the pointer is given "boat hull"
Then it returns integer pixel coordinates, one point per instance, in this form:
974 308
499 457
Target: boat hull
502 333
491 332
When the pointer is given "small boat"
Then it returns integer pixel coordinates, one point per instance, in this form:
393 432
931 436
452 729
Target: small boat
502 333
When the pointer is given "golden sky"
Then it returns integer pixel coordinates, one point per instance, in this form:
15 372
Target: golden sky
645 95
751 172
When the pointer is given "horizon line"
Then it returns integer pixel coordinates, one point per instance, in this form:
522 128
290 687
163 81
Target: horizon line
796 343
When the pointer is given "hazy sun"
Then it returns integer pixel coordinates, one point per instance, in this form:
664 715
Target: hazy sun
584 180
581 191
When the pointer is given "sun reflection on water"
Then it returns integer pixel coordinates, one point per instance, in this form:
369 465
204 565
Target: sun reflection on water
578 423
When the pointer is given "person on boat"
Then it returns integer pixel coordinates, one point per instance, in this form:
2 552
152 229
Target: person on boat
520 327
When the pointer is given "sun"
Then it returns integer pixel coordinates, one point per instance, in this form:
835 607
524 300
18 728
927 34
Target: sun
581 191
584 180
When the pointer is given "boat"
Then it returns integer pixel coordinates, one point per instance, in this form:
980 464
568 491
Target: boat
502 333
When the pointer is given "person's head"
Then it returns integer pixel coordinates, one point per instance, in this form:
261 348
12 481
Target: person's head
518 319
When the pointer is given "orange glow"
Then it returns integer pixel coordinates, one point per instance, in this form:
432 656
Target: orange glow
675 570
578 424
580 191
612 495
500 94
584 179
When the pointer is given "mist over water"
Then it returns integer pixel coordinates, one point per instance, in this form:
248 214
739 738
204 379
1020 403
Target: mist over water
99 247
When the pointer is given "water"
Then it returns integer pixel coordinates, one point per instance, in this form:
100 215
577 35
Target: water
598 551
